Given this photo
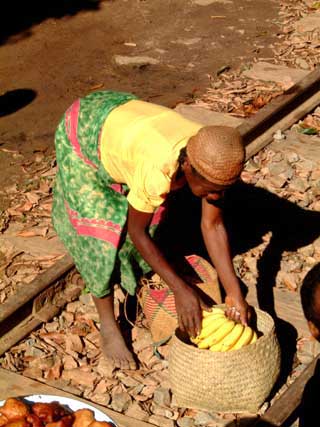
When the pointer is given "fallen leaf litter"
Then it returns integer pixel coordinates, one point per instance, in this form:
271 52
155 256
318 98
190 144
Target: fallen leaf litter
51 354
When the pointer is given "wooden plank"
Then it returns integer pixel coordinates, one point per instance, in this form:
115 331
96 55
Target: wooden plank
293 117
280 106
25 327
289 401
44 307
32 289
14 385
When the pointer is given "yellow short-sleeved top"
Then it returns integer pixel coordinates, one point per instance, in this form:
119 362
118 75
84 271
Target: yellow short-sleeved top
140 145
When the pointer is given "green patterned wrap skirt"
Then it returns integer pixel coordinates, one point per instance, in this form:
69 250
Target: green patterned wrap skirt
90 210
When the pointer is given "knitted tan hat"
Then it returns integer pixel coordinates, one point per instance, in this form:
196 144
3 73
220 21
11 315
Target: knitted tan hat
217 153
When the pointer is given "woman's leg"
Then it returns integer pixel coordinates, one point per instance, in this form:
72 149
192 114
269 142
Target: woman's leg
113 345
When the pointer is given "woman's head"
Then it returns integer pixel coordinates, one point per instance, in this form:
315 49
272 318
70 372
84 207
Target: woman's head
310 300
213 160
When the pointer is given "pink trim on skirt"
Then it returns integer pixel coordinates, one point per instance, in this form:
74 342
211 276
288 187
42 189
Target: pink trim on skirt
97 228
71 124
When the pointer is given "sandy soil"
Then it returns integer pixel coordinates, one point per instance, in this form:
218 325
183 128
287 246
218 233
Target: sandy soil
52 54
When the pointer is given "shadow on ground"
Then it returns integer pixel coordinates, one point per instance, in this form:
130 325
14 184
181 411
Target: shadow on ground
249 422
308 411
250 213
14 100
18 16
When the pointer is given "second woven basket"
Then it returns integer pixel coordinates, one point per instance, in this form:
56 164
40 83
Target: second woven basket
158 303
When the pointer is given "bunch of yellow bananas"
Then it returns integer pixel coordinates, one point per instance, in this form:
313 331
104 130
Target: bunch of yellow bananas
219 333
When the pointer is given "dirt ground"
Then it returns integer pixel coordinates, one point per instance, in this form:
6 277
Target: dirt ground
54 53
169 53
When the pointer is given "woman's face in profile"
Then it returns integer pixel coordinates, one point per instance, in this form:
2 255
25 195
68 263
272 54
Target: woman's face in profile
201 187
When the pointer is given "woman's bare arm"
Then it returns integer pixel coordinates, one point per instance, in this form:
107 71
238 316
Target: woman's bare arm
188 304
217 244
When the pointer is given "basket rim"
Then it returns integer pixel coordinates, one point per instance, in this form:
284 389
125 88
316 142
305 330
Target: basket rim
195 349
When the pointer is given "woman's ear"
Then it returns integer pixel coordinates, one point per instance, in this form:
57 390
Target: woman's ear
314 330
185 164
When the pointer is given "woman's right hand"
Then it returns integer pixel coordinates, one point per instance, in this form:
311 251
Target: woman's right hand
189 310
238 309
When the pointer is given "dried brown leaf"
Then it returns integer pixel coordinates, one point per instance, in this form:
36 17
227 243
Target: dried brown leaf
33 372
6 150
33 232
73 343
33 197
54 373
101 387
69 362
50 172
54 337
79 376
81 329
141 398
44 187
149 390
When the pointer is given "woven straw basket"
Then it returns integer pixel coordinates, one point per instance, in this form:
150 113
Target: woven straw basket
158 304
159 308
235 381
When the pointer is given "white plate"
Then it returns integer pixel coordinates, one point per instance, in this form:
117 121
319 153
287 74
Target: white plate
72 404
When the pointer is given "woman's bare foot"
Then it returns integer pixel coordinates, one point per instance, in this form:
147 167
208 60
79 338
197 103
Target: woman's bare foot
112 342
115 350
